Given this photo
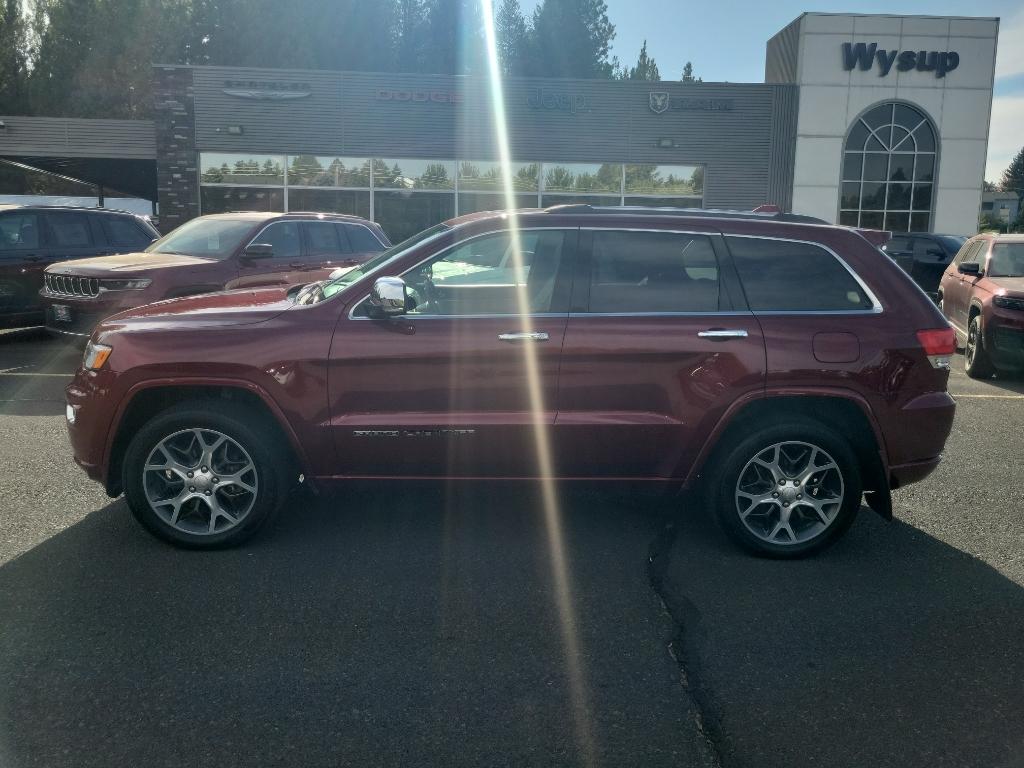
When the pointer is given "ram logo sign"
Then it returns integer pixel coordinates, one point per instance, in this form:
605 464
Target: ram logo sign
865 55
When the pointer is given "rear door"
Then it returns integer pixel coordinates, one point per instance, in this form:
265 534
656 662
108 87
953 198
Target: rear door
327 248
659 344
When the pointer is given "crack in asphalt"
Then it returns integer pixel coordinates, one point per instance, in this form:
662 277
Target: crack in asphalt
683 647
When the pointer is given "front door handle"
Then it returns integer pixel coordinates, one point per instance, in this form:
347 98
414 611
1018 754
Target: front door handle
723 334
535 336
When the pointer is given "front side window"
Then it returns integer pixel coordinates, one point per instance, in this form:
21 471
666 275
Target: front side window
1007 260
786 276
19 230
889 170
284 236
492 275
653 272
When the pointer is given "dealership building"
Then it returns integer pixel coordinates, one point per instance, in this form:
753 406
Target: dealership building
875 121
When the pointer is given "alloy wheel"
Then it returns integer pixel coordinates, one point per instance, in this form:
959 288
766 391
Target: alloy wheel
789 493
972 344
200 481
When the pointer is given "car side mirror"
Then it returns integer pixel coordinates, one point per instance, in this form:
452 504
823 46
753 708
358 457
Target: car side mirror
388 297
258 251
972 268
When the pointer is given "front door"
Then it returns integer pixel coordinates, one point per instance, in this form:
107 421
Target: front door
286 266
658 346
459 385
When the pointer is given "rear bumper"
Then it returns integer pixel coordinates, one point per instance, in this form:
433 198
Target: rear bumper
916 441
912 472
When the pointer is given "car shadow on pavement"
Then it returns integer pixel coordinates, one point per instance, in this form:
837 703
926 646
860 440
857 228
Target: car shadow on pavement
890 649
403 624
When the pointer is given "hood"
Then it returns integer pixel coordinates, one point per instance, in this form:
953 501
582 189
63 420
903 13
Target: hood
123 263
210 309
1012 285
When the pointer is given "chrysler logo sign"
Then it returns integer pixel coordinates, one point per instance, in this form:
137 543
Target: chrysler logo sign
660 101
266 90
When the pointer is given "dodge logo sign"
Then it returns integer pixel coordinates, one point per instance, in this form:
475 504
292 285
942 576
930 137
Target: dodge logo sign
263 90
658 101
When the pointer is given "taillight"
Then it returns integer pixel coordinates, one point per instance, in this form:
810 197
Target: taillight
939 344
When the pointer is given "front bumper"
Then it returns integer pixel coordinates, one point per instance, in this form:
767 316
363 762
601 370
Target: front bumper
77 316
1004 338
90 399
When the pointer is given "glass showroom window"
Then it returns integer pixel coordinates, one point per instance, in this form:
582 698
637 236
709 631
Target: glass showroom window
411 195
593 183
480 185
329 184
888 170
678 186
234 182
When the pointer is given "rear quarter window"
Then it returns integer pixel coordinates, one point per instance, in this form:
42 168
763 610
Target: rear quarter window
362 239
786 276
125 232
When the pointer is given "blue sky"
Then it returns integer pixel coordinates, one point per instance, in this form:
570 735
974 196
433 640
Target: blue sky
726 42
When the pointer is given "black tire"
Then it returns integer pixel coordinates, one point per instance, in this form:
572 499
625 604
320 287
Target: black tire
734 458
977 363
235 421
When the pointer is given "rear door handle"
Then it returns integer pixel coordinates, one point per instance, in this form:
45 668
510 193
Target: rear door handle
722 334
298 265
535 336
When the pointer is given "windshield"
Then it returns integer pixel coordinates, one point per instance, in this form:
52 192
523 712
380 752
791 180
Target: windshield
1007 260
340 283
211 238
952 242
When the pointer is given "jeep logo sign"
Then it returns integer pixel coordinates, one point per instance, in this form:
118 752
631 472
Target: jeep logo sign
865 55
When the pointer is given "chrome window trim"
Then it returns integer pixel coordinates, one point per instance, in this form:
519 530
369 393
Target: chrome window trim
876 304
716 313
446 250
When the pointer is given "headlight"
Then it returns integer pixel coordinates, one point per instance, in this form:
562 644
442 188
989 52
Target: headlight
124 285
95 356
1008 302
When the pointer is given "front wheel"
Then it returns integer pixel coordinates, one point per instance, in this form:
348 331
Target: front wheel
977 364
201 477
787 490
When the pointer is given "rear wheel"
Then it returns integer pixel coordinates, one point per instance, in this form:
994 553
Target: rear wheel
202 477
787 490
977 364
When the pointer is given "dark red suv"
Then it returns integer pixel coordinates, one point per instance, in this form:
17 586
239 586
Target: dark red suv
784 369
207 254
982 294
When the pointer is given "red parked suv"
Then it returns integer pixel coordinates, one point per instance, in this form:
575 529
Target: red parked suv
982 294
785 369
211 253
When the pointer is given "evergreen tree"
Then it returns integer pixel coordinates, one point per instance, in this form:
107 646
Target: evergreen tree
688 77
646 68
571 38
454 40
410 34
513 35
1013 177
13 57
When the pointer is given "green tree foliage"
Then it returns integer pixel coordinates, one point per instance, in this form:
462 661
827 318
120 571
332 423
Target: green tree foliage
571 38
646 67
1013 177
687 76
13 57
454 41
513 35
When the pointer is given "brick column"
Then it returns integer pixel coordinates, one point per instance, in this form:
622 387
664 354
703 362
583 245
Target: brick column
177 179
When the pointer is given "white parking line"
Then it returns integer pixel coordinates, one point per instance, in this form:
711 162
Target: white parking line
989 397
62 375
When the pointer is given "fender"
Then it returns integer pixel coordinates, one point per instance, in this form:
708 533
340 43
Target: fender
184 381
773 392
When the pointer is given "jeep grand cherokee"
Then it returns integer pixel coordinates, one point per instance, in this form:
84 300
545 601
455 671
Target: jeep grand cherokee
783 369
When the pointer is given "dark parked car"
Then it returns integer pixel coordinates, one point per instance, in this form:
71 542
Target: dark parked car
982 295
32 237
923 256
211 253
783 369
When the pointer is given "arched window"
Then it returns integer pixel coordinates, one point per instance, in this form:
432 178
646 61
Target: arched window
888 170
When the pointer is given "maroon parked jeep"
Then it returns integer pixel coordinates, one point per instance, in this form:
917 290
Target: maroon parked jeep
782 368
211 253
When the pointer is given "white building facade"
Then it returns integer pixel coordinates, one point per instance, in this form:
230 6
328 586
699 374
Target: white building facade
893 123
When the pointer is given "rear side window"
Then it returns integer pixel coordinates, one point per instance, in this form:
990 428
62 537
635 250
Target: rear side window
361 238
323 238
19 230
784 276
123 231
653 272
69 230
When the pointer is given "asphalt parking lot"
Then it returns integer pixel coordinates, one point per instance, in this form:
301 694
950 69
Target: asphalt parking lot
420 624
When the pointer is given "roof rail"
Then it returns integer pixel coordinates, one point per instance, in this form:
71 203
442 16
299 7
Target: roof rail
640 210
